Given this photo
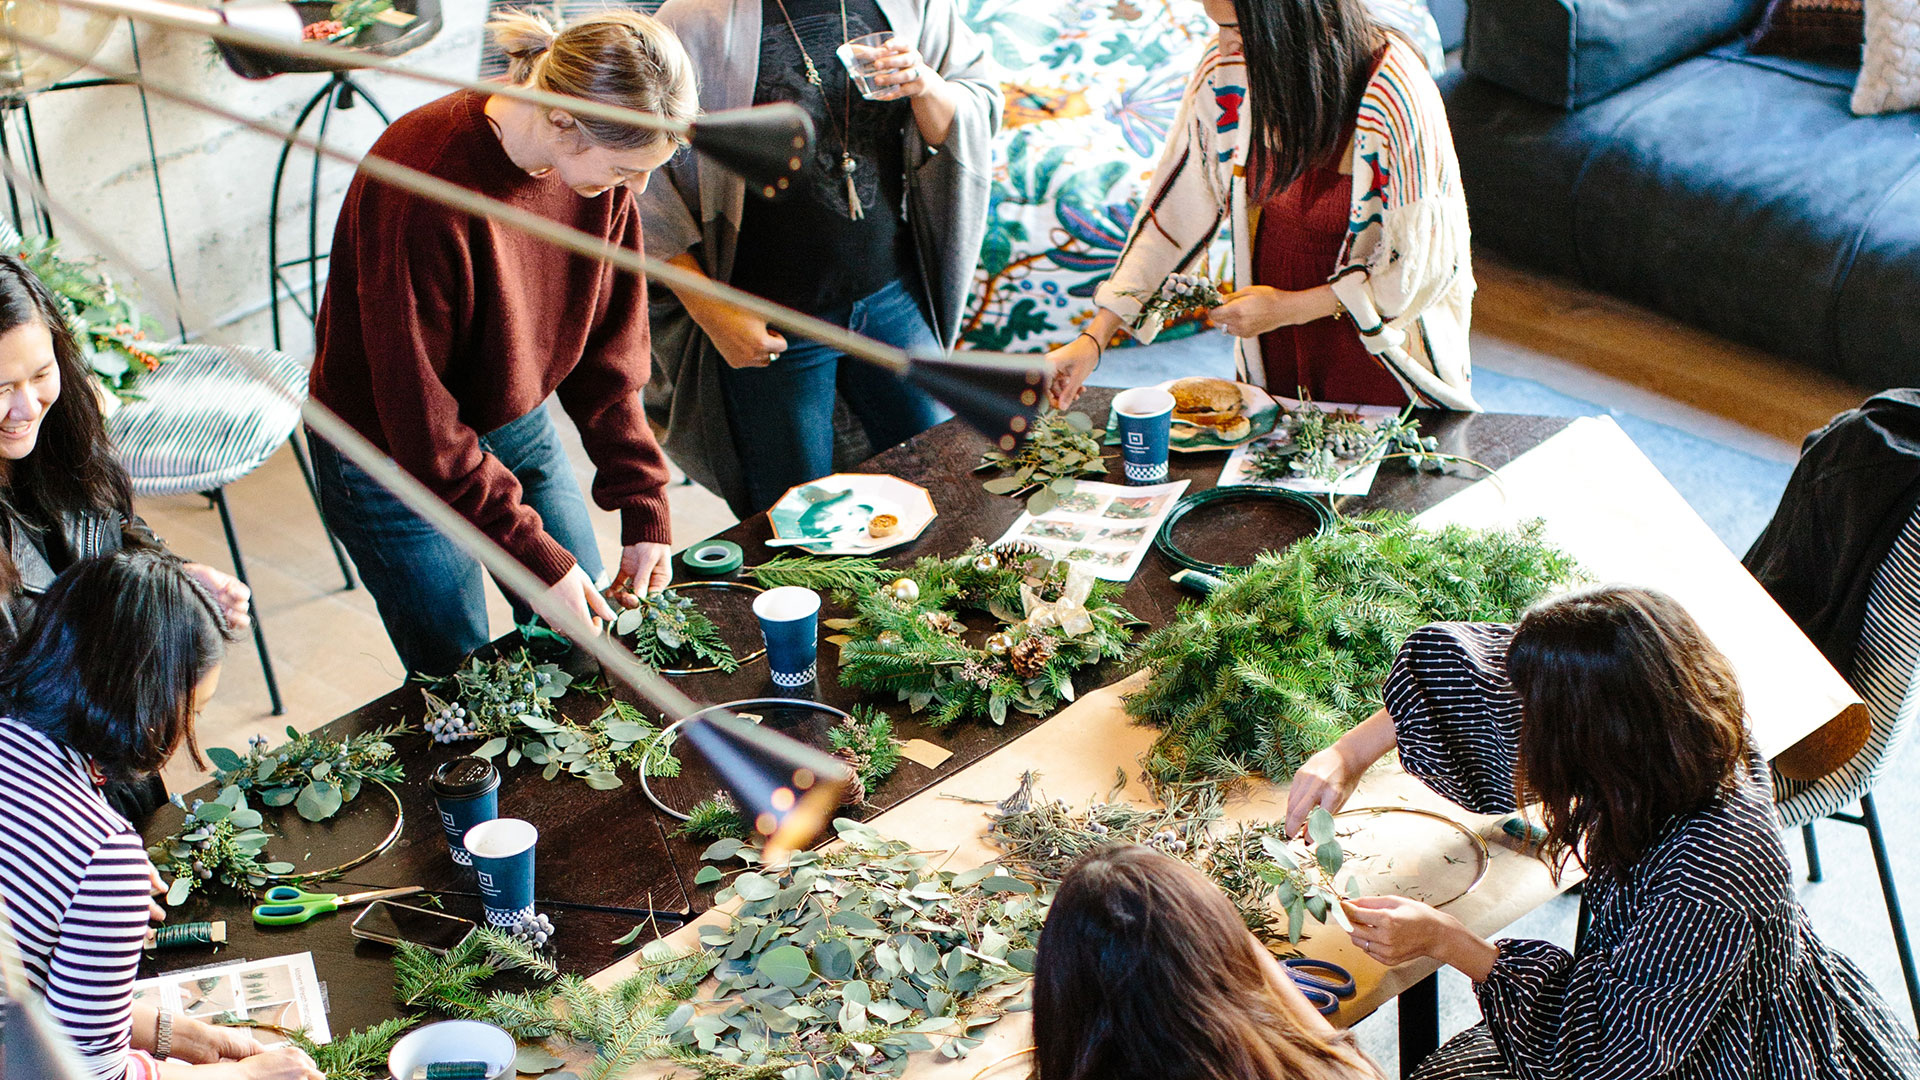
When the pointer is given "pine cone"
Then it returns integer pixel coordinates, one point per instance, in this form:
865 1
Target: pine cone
856 793
1029 656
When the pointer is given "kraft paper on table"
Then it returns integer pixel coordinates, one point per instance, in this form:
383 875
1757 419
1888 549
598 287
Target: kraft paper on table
1603 502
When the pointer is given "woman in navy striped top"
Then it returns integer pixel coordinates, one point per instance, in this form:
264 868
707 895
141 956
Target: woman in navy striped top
104 685
1611 710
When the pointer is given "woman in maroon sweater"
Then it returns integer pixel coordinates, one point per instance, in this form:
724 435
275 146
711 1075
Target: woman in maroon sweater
442 335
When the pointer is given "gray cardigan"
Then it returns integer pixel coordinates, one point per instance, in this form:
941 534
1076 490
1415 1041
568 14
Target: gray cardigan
694 204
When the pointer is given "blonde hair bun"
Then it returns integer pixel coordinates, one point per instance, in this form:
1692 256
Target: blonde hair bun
620 58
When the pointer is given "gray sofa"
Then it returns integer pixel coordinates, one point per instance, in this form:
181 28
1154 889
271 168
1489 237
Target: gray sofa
1639 147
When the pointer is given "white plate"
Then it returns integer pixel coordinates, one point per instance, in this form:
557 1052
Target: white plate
871 494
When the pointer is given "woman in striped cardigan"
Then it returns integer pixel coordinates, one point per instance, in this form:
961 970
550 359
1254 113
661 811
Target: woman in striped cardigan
1320 138
1611 710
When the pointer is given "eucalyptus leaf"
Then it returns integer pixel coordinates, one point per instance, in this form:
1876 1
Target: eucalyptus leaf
1320 825
318 801
751 887
536 1060
784 965
178 892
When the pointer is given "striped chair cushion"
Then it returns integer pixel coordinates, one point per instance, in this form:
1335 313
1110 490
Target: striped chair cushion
1886 673
204 419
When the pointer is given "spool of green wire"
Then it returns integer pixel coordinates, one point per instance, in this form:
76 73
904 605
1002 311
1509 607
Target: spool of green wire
712 558
187 935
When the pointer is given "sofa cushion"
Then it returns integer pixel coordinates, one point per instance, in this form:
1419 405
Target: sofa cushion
1890 68
1813 29
1570 53
1723 191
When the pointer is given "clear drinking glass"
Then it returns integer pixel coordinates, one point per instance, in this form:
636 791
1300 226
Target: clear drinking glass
859 56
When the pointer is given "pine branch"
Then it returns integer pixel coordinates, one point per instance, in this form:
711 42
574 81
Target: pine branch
356 1055
820 574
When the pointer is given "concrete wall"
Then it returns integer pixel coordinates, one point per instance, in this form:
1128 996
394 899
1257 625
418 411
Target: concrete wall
217 176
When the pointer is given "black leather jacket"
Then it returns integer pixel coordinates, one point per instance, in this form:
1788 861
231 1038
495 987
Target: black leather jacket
77 535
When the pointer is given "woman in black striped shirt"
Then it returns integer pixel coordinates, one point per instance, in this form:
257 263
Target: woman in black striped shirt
1612 711
104 685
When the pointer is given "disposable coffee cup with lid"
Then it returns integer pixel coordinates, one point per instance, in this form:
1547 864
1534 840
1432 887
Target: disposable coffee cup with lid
466 791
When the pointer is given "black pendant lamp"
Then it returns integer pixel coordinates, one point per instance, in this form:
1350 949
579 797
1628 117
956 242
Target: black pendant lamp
788 791
997 394
766 145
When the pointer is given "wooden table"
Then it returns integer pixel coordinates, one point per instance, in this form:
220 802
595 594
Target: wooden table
606 856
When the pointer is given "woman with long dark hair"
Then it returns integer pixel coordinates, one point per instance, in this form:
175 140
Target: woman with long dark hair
1146 972
1319 137
1612 711
103 685
64 496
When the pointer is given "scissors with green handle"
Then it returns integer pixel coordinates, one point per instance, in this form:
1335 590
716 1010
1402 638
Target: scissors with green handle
286 905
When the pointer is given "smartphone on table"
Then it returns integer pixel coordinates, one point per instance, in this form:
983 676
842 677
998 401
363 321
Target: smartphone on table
391 924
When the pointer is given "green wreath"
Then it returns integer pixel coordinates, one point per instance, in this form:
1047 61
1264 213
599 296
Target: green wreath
908 635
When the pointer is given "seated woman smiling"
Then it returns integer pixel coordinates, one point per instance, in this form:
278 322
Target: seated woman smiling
1611 710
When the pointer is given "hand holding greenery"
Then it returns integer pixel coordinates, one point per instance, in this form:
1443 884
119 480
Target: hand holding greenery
1180 295
1061 447
670 631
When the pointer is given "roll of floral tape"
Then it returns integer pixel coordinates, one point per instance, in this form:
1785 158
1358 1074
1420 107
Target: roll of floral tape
711 558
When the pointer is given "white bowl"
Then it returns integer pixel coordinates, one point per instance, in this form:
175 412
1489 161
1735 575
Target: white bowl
452 1040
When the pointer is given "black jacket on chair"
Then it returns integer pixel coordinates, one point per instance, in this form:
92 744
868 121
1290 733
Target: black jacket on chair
1857 483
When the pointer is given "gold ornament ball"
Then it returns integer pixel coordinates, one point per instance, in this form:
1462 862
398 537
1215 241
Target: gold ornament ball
905 590
999 643
888 638
986 562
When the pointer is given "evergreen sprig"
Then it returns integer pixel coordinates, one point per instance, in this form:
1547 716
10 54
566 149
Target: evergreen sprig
1287 655
667 628
356 1055
623 1024
835 575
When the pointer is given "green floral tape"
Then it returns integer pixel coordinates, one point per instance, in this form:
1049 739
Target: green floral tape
711 558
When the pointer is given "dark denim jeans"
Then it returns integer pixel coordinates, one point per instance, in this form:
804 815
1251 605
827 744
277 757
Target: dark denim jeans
782 414
430 593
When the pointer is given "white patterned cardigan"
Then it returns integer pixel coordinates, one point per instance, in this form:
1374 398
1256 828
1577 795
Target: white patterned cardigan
1404 275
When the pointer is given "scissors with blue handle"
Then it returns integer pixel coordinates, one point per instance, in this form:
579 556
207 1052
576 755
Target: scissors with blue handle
285 905
1324 983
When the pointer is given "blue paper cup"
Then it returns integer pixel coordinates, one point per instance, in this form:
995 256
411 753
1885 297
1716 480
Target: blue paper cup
466 791
1145 414
790 621
502 852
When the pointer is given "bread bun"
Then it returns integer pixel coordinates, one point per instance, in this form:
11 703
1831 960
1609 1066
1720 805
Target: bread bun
1238 428
1204 395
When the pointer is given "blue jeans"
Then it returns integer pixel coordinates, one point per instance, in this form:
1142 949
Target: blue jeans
782 414
430 593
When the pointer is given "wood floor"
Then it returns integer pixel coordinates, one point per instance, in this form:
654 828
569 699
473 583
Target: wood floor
331 654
